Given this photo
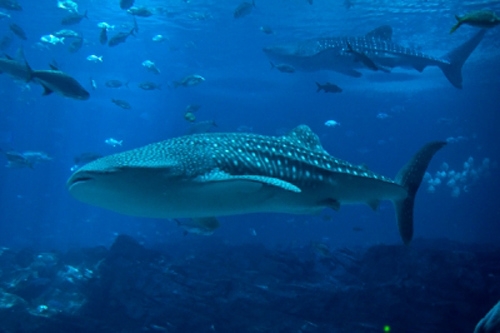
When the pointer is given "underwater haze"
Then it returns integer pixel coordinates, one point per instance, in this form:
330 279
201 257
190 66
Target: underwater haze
126 77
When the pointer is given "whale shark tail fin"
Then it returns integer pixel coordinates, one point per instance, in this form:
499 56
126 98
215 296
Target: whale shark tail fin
410 177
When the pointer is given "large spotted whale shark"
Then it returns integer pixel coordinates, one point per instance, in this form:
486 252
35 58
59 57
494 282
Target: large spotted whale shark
342 54
215 174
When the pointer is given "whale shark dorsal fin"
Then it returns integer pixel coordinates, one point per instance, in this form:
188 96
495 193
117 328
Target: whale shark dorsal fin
383 32
303 136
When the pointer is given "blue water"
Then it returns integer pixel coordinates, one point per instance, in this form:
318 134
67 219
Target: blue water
241 91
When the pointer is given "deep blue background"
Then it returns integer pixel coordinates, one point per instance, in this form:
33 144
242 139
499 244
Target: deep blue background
241 90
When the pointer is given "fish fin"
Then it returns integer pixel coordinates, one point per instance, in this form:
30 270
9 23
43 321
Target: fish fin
53 67
303 136
319 87
374 204
333 204
410 177
383 32
269 181
85 14
456 58
455 26
8 56
219 176
272 65
46 90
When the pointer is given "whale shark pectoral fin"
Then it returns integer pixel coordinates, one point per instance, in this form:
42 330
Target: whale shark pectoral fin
248 182
332 203
268 181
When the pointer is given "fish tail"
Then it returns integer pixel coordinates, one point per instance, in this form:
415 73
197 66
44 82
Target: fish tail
28 67
319 87
456 26
272 65
455 59
410 177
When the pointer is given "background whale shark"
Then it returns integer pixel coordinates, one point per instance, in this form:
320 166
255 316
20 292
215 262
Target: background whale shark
337 54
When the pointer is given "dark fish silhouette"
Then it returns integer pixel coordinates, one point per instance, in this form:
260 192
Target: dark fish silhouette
18 31
74 18
120 37
328 88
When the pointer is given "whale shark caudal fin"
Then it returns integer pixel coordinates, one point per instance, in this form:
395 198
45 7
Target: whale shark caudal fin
410 177
457 58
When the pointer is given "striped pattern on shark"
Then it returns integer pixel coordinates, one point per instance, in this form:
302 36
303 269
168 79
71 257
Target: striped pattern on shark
216 174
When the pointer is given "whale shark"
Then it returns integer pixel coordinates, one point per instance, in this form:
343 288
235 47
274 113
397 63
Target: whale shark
339 54
216 174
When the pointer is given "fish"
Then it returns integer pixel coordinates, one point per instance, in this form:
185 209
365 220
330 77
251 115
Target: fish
140 11
189 116
115 84
151 67
76 45
106 25
51 39
159 38
68 5
283 68
121 103
54 80
266 29
93 84
17 70
10 5
16 160
66 33
199 226
328 88
18 31
126 4
113 142
220 174
119 38
95 59
103 36
331 54
244 9
332 123
481 18
74 18
27 159
147 85
189 81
